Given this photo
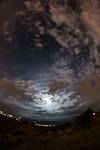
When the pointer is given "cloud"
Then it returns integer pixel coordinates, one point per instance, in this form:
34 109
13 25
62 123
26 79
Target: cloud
90 16
74 25
8 87
34 5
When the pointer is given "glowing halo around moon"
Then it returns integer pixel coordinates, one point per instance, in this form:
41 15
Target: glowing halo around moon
35 100
52 103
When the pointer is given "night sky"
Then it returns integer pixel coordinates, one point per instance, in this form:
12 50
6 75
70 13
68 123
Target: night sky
49 58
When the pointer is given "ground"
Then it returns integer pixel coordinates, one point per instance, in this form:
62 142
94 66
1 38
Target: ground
26 137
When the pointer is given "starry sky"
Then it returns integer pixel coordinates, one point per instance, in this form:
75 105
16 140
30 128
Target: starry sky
49 57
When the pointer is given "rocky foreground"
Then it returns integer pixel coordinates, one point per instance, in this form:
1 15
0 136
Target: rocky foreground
21 135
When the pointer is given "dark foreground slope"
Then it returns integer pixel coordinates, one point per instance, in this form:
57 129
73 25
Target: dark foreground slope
16 135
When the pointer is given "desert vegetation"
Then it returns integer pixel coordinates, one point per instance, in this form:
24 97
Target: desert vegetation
82 133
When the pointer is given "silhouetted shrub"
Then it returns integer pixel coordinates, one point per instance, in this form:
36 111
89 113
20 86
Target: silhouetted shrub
85 119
